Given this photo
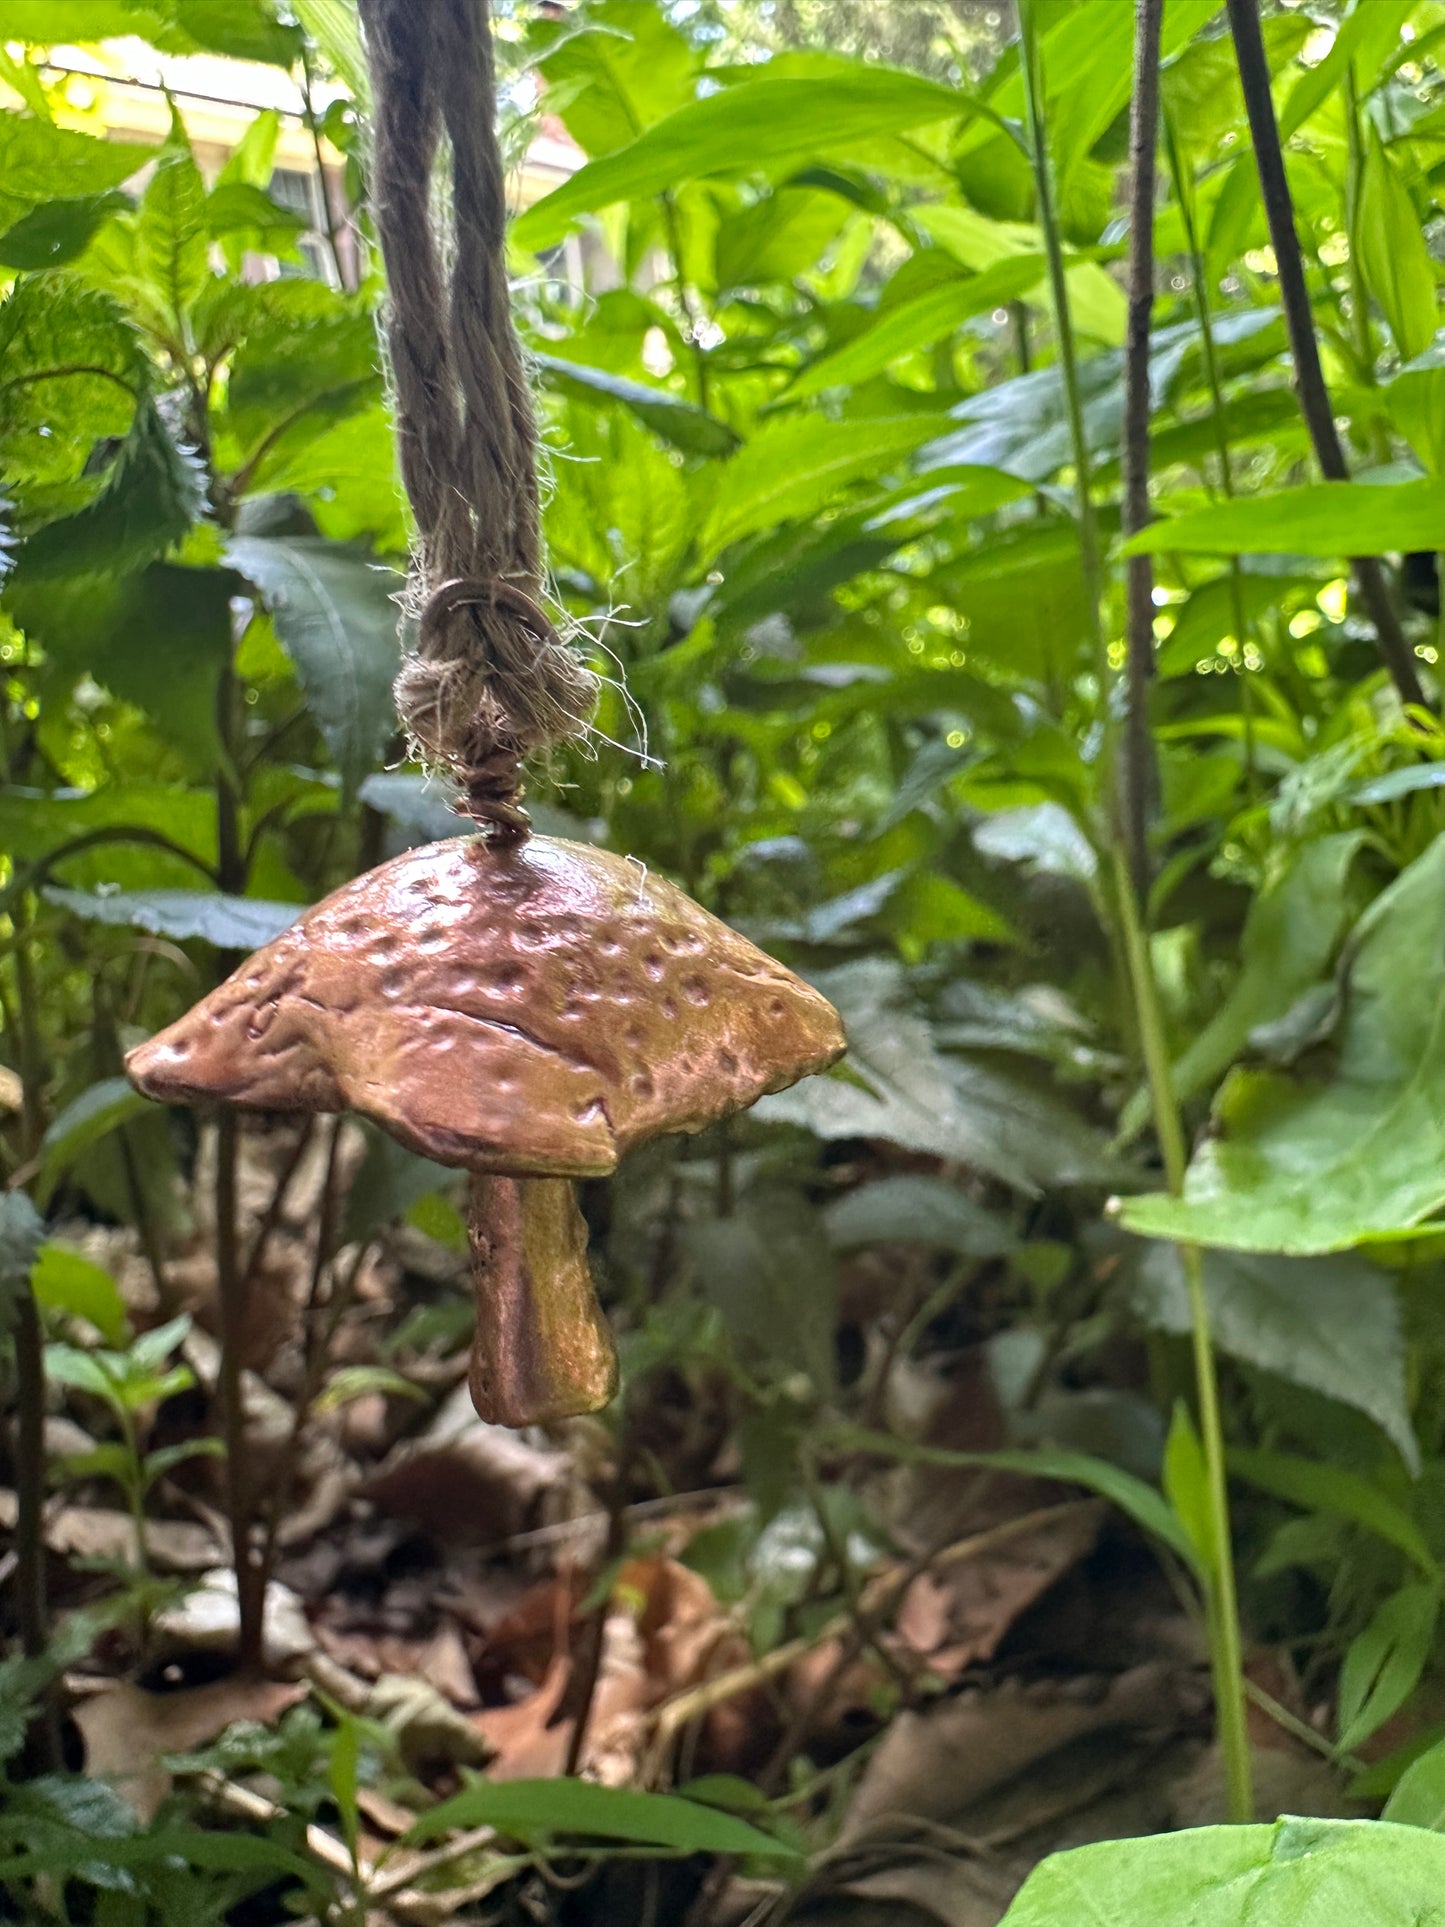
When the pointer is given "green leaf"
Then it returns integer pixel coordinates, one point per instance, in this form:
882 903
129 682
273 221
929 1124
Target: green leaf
538 1809
301 350
1146 1507
623 66
71 372
391 1180
1291 932
230 923
1297 1873
22 1234
98 1111
40 162
740 130
1383 1665
1328 519
772 1277
1331 1324
335 613
1303 1165
334 27
796 464
917 1210
679 422
360 1381
1333 1489
156 637
1419 1796
777 235
170 235
56 231
1363 40
1186 1486
64 1281
897 1086
153 491
1394 257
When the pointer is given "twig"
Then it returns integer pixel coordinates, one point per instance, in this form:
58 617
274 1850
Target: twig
1139 784
277 1204
880 1595
1309 377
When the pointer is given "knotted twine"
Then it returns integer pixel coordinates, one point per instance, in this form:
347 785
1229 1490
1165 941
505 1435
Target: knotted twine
490 682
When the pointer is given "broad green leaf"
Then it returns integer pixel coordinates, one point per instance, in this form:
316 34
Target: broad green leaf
1140 1502
1311 1164
335 613
1383 1665
1291 932
917 1210
153 491
740 130
1327 519
391 1180
1333 1489
71 373
621 69
539 1809
56 231
64 1281
41 162
795 464
43 823
228 922
300 350
897 1086
1023 595
687 427
910 325
1393 253
98 1111
170 235
1297 1873
1419 1796
156 637
1042 836
777 236
1331 1324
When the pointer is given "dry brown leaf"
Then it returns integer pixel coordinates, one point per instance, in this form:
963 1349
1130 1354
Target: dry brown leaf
464 1482
937 1764
97 1532
525 1741
956 1616
128 1731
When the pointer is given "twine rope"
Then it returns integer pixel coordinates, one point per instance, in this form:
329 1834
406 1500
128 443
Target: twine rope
490 681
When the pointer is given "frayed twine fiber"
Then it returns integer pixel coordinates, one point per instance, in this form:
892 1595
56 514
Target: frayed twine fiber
491 681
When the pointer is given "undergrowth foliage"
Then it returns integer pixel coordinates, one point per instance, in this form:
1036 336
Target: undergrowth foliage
822 496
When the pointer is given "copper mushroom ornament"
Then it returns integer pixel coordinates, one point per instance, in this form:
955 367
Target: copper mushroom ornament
529 1010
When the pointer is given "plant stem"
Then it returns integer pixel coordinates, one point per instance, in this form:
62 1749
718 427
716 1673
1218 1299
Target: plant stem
1304 349
1089 549
232 1297
1199 282
31 1610
684 300
314 129
29 1052
1226 1653
1139 781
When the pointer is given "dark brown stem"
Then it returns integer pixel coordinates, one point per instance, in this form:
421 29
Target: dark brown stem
277 1204
29 1051
30 1601
232 1295
313 128
1138 775
145 1222
1309 377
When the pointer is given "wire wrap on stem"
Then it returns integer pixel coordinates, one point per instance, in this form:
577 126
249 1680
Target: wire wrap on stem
490 682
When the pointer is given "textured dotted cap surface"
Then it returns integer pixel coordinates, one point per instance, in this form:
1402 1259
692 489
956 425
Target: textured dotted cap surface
530 1008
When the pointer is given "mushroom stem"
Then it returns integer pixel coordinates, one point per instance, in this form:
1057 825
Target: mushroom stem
543 1350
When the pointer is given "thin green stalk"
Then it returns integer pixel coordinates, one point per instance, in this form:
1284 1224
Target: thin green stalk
1089 548
1199 283
1226 1651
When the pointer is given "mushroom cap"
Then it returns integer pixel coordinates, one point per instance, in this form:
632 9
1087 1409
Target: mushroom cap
531 1008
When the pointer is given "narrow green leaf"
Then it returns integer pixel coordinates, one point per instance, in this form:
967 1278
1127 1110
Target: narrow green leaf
537 1809
1328 519
797 463
739 130
1331 1488
1383 1665
687 427
1393 253
85 1121
64 1281
170 236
